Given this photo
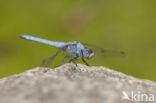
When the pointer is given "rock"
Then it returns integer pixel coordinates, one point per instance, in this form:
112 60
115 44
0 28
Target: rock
75 84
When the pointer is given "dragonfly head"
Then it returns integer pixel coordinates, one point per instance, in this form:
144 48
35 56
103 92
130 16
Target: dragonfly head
88 53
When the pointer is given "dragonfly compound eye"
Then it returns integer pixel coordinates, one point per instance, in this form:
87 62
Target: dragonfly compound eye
90 51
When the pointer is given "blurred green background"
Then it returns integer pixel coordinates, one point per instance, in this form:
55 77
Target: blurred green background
128 25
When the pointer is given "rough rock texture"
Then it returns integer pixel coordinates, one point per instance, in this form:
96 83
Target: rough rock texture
71 84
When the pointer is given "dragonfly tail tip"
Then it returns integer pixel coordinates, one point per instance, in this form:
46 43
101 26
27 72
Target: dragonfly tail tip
23 36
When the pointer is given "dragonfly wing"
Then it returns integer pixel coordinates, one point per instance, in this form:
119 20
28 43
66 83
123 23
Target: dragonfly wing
105 52
49 60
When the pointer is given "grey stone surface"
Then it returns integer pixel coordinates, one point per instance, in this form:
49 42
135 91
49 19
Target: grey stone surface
73 84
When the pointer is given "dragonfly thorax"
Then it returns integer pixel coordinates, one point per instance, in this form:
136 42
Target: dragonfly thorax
75 48
78 49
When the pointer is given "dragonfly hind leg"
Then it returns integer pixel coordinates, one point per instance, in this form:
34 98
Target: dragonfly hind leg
74 59
62 62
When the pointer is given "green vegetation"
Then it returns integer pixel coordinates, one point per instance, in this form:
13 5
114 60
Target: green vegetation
128 25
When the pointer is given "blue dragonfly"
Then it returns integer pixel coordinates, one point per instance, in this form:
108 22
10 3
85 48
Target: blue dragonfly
77 50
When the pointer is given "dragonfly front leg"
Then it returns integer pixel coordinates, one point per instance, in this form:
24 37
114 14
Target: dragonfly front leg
83 58
84 61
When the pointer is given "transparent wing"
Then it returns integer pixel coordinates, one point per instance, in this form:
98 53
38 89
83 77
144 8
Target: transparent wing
49 60
105 52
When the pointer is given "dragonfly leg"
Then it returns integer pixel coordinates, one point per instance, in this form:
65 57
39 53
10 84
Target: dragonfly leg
84 61
83 58
49 60
65 58
74 59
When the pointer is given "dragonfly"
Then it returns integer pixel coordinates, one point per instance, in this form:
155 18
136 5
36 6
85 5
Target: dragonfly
78 50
